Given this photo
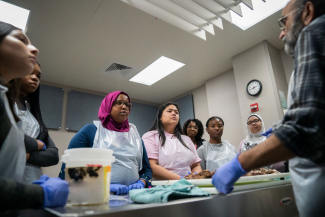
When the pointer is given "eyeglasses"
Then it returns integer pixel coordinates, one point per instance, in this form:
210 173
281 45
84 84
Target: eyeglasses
282 21
120 103
254 121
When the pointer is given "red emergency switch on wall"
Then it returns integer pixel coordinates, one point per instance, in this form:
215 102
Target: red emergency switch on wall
254 107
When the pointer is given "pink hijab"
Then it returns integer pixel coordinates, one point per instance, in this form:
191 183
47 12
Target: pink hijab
105 110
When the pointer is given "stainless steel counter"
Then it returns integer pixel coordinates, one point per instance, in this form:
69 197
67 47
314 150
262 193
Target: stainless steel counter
273 201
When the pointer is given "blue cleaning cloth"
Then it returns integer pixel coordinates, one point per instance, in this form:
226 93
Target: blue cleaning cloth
163 194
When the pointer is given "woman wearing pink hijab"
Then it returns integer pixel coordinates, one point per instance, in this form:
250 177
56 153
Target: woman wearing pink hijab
131 169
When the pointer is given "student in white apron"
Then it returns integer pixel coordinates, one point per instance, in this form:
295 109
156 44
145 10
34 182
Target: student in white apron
215 152
40 148
17 59
131 169
171 154
255 134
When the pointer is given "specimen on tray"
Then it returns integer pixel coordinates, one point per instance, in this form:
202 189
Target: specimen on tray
204 174
207 174
261 171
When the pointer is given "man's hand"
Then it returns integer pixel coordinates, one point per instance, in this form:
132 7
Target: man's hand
266 153
226 176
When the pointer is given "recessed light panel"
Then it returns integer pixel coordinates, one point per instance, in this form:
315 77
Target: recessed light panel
14 15
157 70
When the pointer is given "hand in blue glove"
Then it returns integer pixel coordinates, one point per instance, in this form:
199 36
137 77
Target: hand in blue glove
44 148
189 174
137 185
56 191
119 189
267 133
226 176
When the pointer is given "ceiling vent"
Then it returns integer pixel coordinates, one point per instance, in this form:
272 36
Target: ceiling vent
116 66
118 70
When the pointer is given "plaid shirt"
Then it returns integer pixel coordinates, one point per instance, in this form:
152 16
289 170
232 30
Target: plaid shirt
303 128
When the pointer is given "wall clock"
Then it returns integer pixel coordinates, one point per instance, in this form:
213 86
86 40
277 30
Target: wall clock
254 87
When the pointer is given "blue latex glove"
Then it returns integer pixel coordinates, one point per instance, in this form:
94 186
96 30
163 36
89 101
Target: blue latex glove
43 179
226 176
188 174
44 148
268 133
56 191
119 189
137 185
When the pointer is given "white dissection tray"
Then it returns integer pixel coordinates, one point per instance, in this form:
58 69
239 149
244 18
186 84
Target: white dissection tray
262 184
243 180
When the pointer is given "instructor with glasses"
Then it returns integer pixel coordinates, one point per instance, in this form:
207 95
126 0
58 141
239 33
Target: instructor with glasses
300 136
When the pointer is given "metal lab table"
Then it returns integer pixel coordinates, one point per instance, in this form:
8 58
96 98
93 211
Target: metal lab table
260 203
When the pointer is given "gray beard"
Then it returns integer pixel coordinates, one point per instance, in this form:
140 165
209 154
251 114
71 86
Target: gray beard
289 49
291 38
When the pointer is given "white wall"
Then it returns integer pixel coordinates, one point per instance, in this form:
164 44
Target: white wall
225 95
223 102
278 68
201 107
255 64
277 71
288 64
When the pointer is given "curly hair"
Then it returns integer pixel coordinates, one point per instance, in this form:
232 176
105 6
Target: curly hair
200 132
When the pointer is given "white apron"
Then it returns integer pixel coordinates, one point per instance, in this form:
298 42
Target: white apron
30 127
127 149
175 157
308 180
12 152
219 154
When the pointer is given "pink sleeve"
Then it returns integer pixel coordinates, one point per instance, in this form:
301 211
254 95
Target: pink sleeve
240 145
151 145
190 144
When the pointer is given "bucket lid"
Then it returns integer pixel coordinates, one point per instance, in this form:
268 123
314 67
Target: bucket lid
82 157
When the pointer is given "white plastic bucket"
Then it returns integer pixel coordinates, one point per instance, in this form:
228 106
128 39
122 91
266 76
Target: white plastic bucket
88 171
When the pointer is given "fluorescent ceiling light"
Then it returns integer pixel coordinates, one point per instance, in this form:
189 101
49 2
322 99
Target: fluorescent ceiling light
157 70
14 15
261 11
